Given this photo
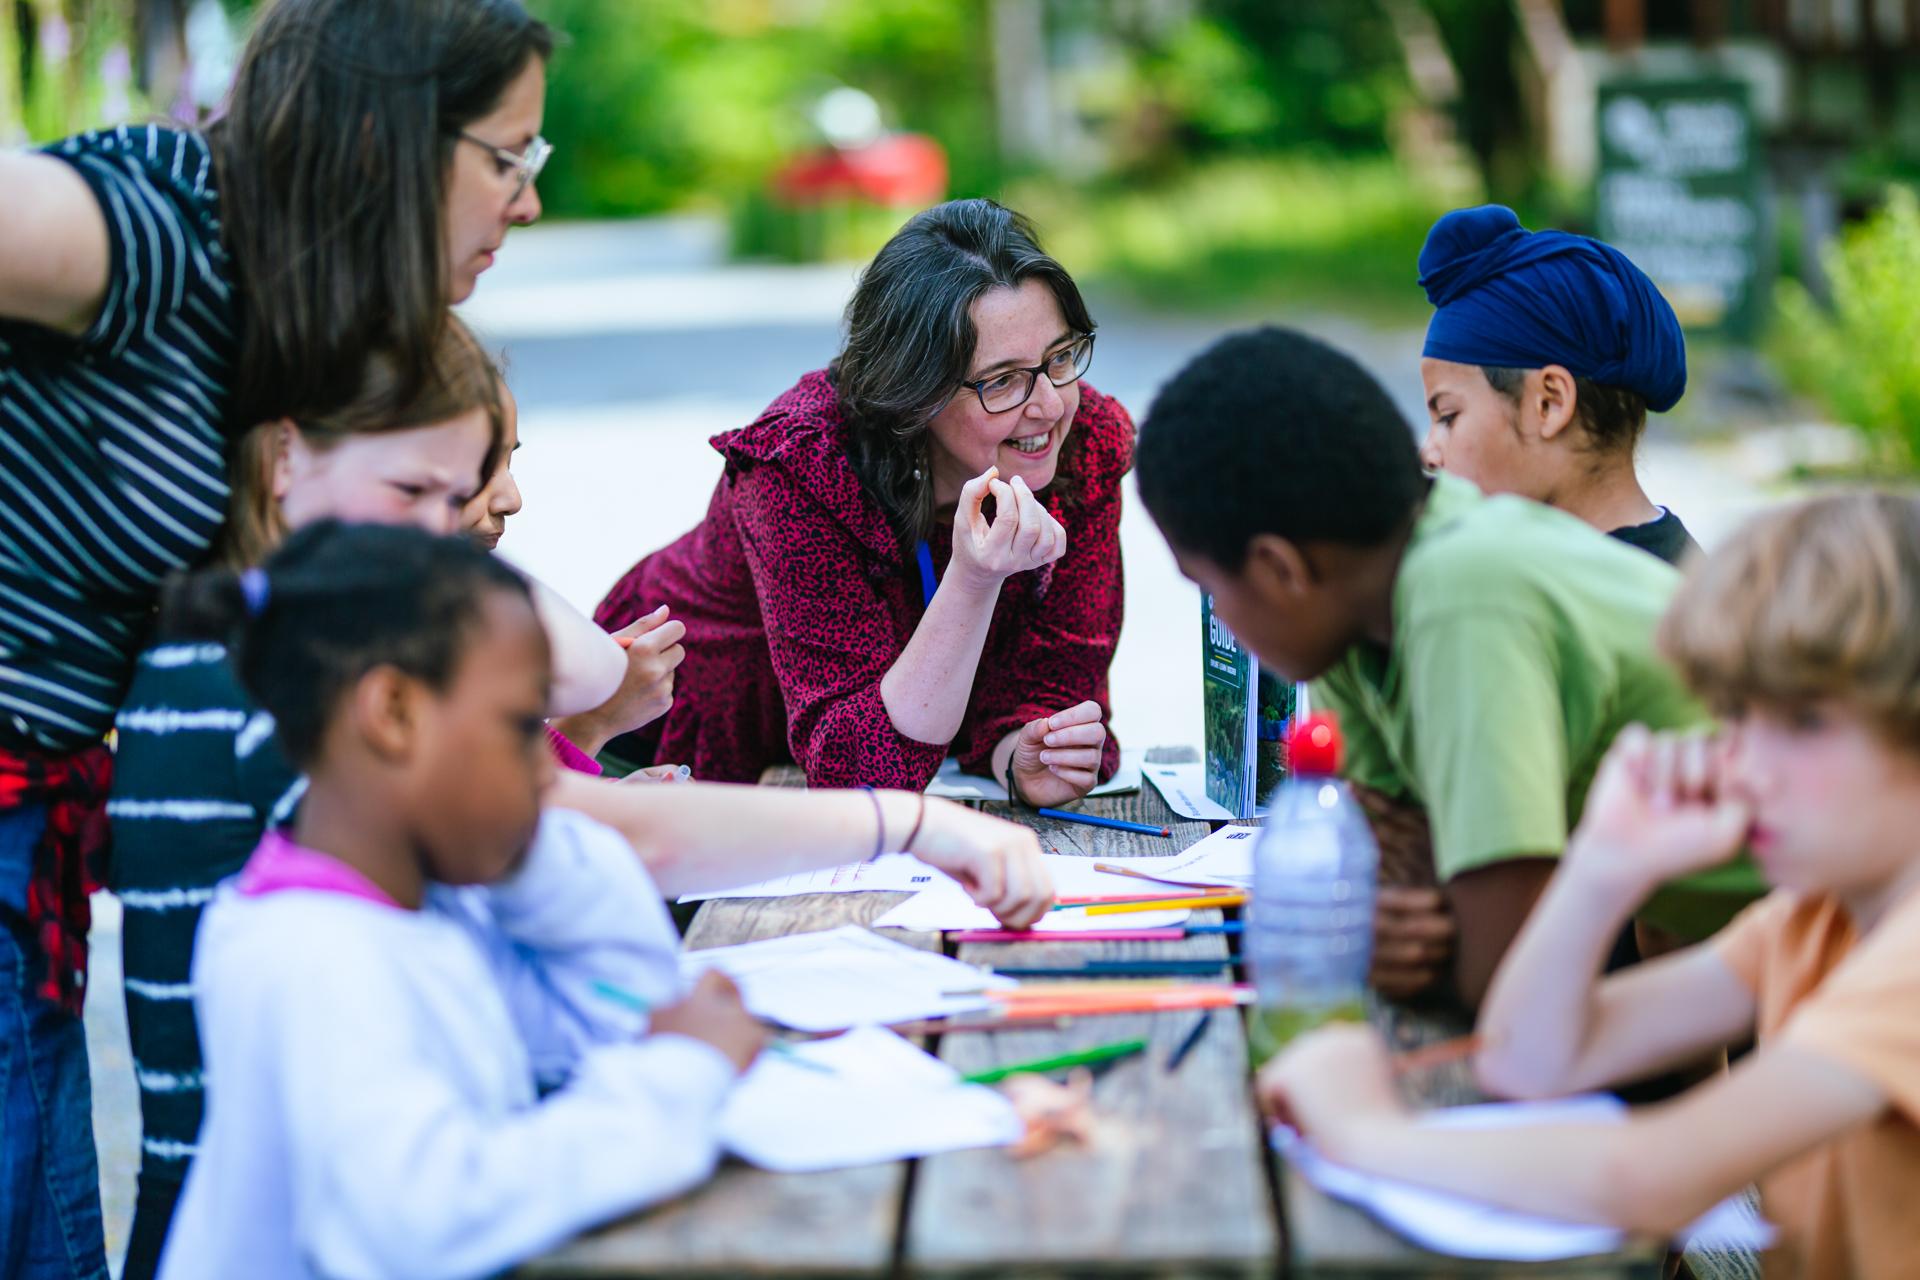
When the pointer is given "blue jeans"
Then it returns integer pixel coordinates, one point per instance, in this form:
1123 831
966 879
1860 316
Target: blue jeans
49 1174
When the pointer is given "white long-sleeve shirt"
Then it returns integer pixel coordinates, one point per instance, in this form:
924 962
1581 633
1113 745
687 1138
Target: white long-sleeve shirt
372 1100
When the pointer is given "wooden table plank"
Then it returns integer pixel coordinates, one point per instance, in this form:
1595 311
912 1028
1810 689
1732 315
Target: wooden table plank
1175 1181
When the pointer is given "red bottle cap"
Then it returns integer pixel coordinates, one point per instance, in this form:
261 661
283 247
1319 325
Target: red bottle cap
1313 745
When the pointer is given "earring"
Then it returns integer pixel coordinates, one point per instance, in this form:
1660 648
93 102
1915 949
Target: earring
916 473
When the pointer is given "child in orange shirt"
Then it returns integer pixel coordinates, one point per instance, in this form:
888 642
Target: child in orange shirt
1805 632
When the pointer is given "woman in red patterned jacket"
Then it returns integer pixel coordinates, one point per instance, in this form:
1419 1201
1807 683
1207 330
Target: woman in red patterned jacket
915 551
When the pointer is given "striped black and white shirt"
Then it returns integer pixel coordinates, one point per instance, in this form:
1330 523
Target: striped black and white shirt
111 445
197 779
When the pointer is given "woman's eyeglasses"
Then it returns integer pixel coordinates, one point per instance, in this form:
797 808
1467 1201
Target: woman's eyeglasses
524 165
1006 391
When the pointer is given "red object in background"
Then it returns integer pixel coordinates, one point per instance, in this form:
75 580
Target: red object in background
900 169
1313 746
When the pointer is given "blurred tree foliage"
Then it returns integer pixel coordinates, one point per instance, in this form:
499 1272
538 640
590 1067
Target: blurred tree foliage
662 103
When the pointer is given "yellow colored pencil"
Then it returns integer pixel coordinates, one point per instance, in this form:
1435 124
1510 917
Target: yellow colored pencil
1165 904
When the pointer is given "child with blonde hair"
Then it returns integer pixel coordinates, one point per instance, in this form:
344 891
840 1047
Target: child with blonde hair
1804 631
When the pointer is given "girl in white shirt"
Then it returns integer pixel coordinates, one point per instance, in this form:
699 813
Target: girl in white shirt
415 1071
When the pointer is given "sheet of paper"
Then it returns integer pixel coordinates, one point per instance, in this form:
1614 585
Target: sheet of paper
891 872
955 785
845 977
1184 788
1225 857
884 1100
947 906
1467 1228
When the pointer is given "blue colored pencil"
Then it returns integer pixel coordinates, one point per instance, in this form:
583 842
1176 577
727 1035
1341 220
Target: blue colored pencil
1229 926
1112 824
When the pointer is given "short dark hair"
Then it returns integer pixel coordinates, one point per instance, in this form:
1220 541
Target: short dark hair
331 165
1272 431
340 600
910 338
1613 417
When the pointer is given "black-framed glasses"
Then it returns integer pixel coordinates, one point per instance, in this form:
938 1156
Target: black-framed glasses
1008 390
525 165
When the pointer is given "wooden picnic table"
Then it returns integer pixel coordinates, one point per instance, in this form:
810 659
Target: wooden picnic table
1178 1181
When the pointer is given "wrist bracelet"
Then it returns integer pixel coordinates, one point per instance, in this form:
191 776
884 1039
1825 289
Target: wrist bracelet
879 825
918 818
1013 794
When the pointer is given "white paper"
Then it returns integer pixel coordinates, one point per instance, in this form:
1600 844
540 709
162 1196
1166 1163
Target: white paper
1225 857
845 977
1184 788
955 785
891 872
942 907
1465 1228
884 1100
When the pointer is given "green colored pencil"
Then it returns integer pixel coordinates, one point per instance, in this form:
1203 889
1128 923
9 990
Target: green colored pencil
1082 1058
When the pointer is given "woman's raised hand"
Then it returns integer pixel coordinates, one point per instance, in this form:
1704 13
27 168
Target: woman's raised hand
1056 759
998 862
1022 534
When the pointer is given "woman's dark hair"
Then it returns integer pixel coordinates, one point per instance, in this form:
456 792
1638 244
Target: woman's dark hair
1613 417
1272 431
332 160
332 604
910 340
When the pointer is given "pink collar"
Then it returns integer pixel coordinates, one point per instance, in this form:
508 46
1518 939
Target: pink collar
278 863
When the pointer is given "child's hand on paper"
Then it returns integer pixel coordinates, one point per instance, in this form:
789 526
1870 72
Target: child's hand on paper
1328 1077
997 862
712 1013
1660 807
1056 759
1022 534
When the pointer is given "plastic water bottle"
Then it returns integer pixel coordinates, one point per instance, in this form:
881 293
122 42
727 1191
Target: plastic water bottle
1310 925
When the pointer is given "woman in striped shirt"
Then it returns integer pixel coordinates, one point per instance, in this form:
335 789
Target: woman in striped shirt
156 288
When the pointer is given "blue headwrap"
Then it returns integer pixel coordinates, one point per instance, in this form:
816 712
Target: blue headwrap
1518 299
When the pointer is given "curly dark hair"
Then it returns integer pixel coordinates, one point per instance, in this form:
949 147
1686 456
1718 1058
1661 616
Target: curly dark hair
1272 431
910 339
336 601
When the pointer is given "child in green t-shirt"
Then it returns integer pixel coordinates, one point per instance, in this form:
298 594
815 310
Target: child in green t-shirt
1481 652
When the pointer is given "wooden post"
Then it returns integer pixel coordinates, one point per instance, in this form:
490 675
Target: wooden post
1709 23
1626 23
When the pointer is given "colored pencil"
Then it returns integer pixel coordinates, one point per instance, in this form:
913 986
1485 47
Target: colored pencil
1436 1055
1113 869
1095 899
1060 1062
1163 904
1085 935
955 1025
1192 1038
1111 824
1224 898
1228 926
1118 968
1143 1002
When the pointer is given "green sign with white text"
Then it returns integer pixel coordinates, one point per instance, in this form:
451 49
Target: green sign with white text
1678 192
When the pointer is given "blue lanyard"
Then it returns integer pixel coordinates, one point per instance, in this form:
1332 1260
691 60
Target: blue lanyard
928 582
